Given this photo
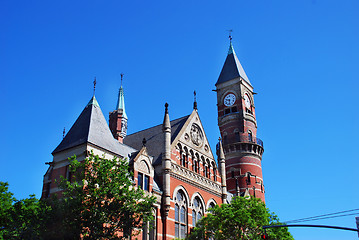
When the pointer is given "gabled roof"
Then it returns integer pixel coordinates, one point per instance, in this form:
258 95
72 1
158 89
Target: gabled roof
232 68
91 127
154 137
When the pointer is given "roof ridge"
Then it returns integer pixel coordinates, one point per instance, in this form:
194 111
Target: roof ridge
157 125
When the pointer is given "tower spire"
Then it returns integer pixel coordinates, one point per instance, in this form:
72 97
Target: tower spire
121 100
118 117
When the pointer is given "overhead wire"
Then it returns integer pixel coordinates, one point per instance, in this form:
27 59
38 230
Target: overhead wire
324 216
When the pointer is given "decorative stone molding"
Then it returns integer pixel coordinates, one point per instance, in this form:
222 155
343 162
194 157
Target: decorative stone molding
143 167
196 135
196 178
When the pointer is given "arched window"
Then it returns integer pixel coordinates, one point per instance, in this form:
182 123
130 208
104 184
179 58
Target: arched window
185 157
250 137
208 169
197 163
197 211
214 172
180 215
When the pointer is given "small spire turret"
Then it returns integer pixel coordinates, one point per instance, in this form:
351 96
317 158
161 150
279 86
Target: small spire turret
166 161
222 165
118 118
121 100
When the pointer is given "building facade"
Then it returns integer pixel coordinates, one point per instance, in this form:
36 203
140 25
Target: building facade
173 160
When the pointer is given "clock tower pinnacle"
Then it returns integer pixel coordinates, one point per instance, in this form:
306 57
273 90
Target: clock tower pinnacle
238 127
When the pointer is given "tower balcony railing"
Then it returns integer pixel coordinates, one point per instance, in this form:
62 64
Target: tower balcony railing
251 139
245 138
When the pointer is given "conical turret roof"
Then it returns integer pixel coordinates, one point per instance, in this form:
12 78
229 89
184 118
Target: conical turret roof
232 68
91 127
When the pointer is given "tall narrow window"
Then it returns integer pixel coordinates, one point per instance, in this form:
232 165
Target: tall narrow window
146 185
197 211
68 173
250 137
183 163
140 180
180 215
177 220
237 136
214 174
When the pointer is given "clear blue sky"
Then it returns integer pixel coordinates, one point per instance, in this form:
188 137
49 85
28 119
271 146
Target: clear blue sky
302 57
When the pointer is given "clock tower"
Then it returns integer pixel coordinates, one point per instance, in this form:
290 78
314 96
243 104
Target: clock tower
238 127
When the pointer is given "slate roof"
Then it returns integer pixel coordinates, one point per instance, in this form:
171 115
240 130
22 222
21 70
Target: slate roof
91 127
232 68
154 137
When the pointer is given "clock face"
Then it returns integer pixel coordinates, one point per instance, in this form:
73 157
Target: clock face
247 102
229 99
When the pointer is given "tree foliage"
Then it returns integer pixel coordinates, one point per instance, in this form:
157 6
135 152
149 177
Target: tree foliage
21 219
100 200
243 218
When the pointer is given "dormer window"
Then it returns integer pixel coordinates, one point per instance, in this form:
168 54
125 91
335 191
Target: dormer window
143 181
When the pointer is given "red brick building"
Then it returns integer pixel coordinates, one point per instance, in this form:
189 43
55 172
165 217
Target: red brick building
238 127
173 160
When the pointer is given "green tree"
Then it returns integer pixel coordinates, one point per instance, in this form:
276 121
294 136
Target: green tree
243 218
21 219
100 200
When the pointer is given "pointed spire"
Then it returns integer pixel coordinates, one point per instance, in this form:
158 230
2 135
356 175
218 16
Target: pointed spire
93 101
222 166
166 120
195 101
231 50
121 100
232 68
220 150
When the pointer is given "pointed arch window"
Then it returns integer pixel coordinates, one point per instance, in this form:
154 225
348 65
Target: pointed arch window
211 206
197 211
180 215
214 172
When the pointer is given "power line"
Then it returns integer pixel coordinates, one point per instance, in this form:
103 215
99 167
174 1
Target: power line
324 215
314 219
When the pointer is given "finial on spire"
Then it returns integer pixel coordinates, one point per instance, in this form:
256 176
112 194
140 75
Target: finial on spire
121 78
144 141
166 107
195 100
230 34
94 86
63 133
